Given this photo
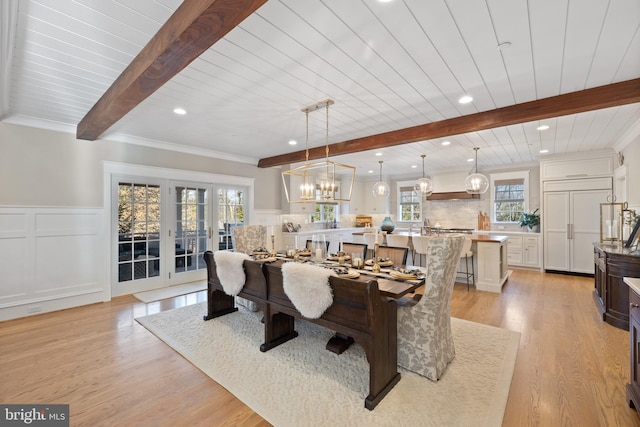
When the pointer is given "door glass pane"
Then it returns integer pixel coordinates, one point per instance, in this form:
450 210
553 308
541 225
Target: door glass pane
230 214
138 231
191 228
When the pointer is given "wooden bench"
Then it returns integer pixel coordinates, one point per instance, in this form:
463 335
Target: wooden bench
359 312
219 303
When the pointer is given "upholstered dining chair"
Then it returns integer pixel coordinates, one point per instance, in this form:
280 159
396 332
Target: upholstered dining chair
246 239
352 248
397 255
425 342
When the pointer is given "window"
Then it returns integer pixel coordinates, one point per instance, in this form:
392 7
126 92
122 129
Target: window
409 204
509 196
326 212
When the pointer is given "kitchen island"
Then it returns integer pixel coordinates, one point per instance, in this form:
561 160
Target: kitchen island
491 256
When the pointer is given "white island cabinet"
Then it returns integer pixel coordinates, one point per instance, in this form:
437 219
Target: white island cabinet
491 253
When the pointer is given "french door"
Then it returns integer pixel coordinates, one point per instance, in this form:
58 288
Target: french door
191 233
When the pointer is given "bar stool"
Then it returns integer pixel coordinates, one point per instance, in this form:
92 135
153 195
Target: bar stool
466 254
399 241
420 244
370 240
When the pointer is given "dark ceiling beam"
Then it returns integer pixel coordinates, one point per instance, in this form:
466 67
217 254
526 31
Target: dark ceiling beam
613 95
193 28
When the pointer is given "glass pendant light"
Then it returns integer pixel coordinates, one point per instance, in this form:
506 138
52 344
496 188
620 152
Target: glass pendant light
424 186
380 188
476 183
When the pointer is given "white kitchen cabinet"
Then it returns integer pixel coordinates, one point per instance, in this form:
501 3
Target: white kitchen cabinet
598 164
571 222
363 202
523 249
531 251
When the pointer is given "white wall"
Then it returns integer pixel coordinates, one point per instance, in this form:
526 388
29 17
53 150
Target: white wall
49 168
54 224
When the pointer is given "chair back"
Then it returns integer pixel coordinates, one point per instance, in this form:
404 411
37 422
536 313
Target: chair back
443 255
311 248
370 239
397 240
351 248
420 244
466 248
247 238
397 255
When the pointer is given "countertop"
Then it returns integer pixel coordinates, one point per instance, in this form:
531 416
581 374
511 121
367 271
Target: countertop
633 283
488 238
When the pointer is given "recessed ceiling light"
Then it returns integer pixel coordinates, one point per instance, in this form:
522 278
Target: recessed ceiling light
180 111
292 142
542 127
446 142
378 154
544 151
465 99
370 171
414 166
470 160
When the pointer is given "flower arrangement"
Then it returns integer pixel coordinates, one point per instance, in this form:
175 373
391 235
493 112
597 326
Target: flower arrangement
530 220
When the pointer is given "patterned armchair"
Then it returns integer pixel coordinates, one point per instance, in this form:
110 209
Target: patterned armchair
425 343
246 239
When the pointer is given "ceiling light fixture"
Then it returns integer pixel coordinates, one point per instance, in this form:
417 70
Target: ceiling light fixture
446 142
380 188
293 142
424 186
544 151
321 181
542 127
180 111
476 183
466 99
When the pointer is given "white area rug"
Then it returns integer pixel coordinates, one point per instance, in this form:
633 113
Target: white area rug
171 291
300 383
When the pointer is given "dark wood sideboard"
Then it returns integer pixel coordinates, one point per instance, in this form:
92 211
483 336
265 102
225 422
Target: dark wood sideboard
612 264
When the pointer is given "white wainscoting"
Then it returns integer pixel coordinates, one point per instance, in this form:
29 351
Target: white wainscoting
51 259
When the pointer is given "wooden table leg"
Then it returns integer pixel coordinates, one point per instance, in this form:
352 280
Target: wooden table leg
339 343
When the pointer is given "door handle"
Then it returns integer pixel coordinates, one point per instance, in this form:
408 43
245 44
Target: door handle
210 232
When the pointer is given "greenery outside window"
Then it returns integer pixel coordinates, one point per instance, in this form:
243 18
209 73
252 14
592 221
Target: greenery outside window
409 204
509 196
326 212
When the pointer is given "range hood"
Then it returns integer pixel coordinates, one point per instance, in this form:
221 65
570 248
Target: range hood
453 195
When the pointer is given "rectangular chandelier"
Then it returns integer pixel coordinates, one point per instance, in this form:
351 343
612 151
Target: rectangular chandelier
320 182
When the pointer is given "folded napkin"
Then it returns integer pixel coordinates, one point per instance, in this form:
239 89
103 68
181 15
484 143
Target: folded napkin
307 286
230 270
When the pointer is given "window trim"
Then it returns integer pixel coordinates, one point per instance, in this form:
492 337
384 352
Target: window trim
524 174
399 185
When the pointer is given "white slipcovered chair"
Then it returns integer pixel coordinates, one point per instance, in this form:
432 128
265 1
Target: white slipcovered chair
246 239
400 241
425 343
370 240
420 247
466 254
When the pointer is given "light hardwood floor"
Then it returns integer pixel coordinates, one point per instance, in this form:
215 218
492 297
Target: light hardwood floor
571 368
